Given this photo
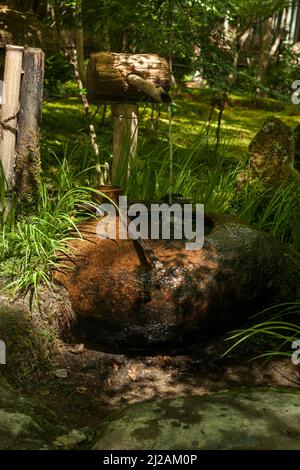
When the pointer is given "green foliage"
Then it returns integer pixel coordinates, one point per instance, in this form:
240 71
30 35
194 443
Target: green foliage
32 248
57 73
203 176
274 210
192 34
280 330
284 70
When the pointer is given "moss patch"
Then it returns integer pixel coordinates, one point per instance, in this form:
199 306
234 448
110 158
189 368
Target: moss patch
64 122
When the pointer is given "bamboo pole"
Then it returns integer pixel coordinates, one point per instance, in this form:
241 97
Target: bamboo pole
9 110
156 93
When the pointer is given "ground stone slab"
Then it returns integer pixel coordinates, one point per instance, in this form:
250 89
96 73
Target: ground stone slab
235 420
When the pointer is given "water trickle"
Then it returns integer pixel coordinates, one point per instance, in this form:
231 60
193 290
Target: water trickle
170 154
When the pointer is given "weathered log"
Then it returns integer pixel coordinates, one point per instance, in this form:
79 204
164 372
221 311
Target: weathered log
28 159
9 110
113 77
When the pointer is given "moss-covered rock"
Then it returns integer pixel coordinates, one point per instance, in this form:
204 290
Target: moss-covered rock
30 330
271 155
23 423
236 420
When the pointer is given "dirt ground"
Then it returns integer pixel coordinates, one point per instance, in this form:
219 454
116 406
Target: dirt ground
85 384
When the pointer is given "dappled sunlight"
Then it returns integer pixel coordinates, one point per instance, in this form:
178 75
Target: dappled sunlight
149 226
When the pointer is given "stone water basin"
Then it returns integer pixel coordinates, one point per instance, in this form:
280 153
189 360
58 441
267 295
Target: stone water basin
118 301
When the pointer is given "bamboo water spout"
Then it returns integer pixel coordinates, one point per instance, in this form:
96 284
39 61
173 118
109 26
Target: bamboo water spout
125 80
154 92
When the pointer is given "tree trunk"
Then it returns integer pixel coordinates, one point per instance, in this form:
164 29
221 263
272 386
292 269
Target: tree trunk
264 59
280 35
240 42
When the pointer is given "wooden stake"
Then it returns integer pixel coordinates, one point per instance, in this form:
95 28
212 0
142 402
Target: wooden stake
125 117
9 110
28 158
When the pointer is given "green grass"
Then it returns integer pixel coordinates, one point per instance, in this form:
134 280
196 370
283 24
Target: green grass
33 247
279 330
63 121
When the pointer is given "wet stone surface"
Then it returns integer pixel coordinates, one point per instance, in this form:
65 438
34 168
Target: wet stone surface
119 302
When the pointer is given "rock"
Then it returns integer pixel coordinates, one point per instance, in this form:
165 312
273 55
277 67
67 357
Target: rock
34 328
72 439
16 424
236 420
78 349
26 424
61 373
23 423
117 301
271 155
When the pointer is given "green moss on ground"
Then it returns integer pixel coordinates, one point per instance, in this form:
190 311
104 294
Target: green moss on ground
64 121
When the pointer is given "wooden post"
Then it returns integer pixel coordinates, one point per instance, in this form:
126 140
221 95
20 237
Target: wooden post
9 110
125 117
28 161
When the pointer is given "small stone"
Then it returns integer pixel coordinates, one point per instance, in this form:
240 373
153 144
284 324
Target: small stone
271 155
78 349
132 373
61 373
72 439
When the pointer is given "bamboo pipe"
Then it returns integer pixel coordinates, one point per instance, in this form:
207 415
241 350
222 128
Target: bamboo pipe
149 88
